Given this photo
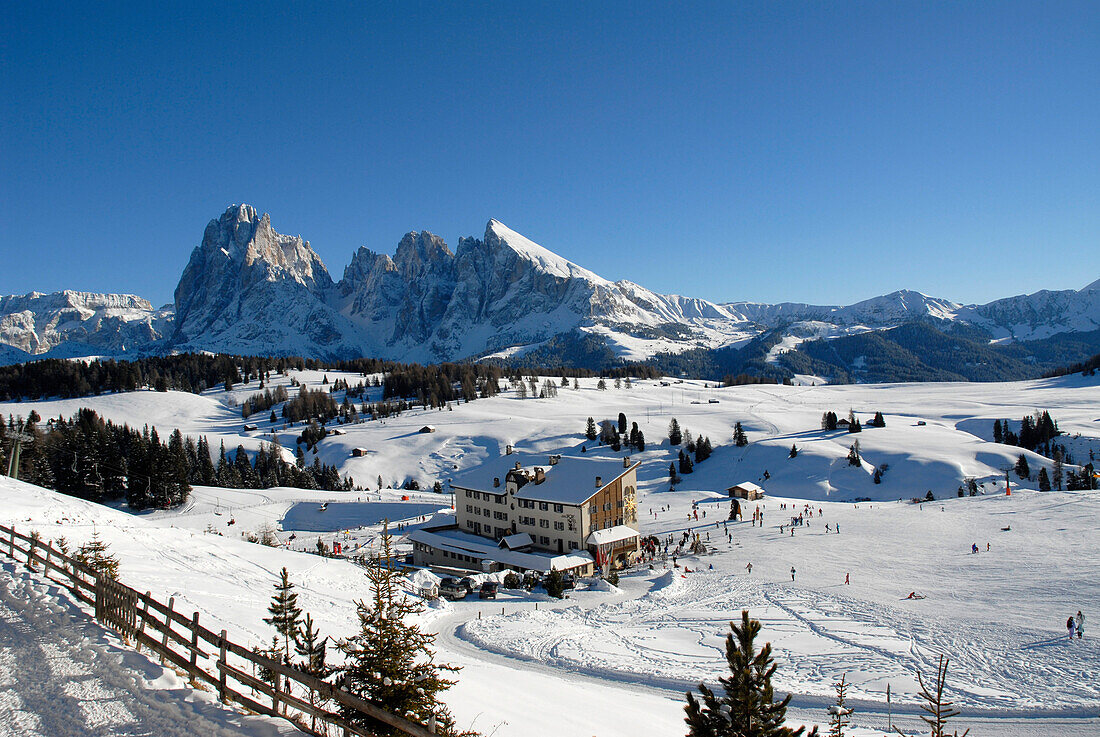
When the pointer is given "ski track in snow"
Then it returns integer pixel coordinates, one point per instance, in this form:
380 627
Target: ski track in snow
672 633
61 676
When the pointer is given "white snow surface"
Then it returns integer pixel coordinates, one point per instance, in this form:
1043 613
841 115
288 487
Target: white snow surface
62 674
999 615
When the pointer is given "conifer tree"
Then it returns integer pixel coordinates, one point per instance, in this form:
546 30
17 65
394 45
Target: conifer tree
390 662
94 555
937 709
1022 469
675 437
853 455
739 438
590 429
286 615
794 451
312 649
1044 480
840 716
748 707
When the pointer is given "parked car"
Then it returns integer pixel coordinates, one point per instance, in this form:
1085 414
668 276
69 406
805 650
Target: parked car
488 590
470 584
531 579
452 589
569 580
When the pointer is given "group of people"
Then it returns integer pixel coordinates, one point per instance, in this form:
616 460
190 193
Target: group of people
1076 625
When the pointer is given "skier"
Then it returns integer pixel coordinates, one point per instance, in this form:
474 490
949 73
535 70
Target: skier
847 580
792 578
748 567
1071 624
974 548
1080 624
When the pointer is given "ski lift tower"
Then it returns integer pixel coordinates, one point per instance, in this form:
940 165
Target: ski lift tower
18 437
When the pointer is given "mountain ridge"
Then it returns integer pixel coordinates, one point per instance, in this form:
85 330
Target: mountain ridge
249 289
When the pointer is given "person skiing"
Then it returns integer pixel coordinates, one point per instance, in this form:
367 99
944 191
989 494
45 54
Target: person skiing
1071 623
748 567
792 578
847 579
1080 624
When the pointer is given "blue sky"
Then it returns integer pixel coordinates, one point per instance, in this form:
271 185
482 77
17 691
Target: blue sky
773 151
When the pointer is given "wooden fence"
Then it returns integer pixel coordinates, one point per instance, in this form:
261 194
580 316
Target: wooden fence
207 657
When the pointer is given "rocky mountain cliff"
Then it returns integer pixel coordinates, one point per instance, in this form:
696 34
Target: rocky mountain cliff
90 324
249 289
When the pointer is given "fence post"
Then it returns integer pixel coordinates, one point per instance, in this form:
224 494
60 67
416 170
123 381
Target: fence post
46 564
278 677
194 644
167 627
221 671
144 616
11 544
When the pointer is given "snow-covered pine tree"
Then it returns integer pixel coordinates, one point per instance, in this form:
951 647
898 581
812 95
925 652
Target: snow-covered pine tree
739 438
390 662
748 707
840 716
286 615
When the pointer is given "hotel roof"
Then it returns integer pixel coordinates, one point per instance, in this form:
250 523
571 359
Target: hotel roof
572 480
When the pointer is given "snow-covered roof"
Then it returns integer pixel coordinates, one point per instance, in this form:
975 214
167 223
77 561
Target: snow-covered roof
614 534
456 541
519 540
748 486
572 480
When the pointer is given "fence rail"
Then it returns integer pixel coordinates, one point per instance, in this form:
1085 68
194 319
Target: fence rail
202 653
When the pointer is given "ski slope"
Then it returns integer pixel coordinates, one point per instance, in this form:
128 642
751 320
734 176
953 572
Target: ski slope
998 614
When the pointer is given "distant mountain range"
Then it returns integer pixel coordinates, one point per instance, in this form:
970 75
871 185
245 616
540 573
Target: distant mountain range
250 290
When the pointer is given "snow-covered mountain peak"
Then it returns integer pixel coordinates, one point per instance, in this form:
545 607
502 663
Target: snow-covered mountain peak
545 259
249 289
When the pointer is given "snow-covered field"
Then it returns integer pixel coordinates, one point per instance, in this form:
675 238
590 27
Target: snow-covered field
999 614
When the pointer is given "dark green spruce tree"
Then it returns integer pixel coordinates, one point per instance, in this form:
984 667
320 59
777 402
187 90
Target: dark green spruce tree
286 615
748 707
390 662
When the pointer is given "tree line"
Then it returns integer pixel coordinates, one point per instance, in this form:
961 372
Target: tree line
95 459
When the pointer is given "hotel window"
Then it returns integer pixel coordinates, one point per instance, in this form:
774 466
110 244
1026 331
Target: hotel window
559 508
559 526
543 506
544 523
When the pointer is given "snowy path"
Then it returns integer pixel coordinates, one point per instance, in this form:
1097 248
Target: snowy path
61 674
